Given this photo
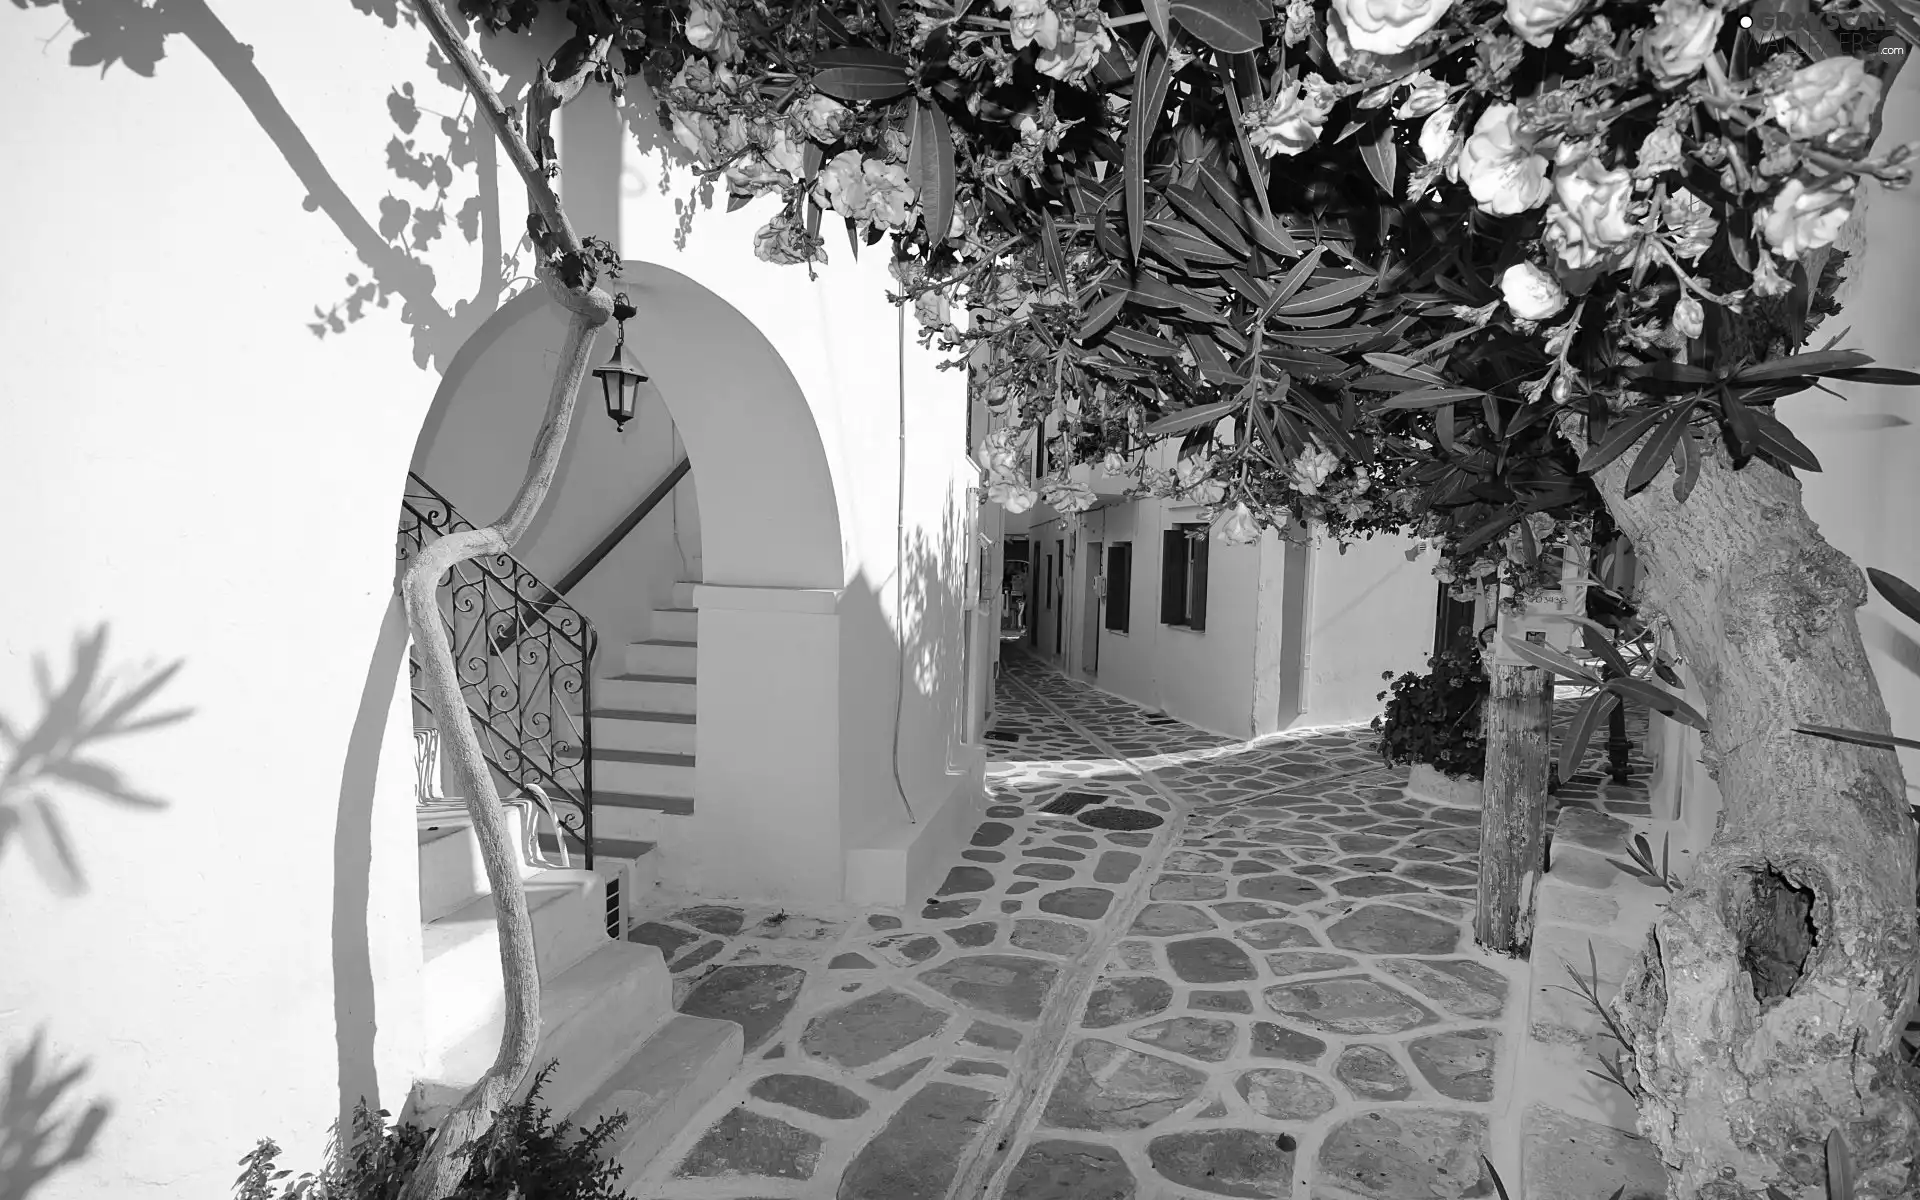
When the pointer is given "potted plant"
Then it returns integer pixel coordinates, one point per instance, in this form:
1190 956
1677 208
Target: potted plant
1432 722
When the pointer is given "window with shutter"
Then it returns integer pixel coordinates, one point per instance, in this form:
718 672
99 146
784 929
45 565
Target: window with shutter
1183 579
1173 577
1197 578
1119 585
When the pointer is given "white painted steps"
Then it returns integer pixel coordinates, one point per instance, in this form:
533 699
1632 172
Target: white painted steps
645 725
607 1016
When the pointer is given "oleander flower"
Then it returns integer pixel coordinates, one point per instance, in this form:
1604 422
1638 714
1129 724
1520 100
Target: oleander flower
1536 21
1683 35
1193 481
1688 317
698 134
1505 178
1690 224
934 311
1237 526
821 118
890 196
1531 293
1388 26
1439 140
1299 24
1307 472
774 162
1293 120
1659 153
1076 50
1597 199
1067 495
1568 240
1800 220
1030 21
1767 279
1014 497
709 33
784 242
1426 97
1833 97
842 185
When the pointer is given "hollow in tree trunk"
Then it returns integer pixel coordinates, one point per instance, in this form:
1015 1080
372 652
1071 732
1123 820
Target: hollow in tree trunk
1767 1008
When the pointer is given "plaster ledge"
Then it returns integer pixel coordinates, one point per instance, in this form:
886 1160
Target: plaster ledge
825 601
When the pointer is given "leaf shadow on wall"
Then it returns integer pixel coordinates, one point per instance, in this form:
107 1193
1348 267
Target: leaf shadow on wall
426 167
44 1129
56 754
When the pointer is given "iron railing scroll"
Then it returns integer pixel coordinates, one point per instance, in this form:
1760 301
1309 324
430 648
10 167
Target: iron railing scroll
525 661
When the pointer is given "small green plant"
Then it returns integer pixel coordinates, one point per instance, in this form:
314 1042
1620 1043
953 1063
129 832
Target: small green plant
1435 718
1612 1067
523 1157
1642 866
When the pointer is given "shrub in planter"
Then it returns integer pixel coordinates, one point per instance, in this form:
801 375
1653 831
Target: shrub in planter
523 1157
1435 718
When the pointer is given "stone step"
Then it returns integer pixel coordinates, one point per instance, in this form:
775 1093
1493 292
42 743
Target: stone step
644 692
676 624
452 872
460 981
663 1086
657 656
591 1016
683 593
639 729
642 773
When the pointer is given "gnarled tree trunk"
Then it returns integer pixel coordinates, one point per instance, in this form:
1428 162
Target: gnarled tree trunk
446 1160
445 1163
1767 1009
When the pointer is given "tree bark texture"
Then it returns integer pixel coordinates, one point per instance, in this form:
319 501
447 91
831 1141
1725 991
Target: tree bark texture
1766 1010
447 1157
446 1160
1513 811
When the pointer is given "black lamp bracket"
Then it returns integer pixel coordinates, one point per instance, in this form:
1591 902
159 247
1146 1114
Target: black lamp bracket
623 308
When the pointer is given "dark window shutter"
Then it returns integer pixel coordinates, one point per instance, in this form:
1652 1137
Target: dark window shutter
1119 586
1197 590
1173 577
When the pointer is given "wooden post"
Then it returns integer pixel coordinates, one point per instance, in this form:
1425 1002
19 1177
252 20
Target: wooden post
1513 814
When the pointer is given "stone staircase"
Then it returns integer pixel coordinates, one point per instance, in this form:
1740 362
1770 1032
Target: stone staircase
643 726
606 1004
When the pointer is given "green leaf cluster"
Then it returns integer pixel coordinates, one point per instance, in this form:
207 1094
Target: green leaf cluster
1434 718
524 1156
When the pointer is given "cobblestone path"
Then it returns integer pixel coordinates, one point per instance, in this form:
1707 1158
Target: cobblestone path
1265 977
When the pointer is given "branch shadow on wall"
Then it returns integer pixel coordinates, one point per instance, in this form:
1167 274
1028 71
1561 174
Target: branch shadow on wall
59 754
134 35
44 1128
909 703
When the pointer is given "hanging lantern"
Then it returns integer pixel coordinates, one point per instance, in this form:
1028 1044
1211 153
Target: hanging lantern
621 375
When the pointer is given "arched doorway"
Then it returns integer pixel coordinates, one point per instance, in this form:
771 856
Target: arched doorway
746 563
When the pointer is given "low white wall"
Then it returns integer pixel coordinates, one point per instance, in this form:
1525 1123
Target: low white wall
1372 611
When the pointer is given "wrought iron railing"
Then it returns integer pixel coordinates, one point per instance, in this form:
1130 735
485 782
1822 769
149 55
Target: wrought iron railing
525 660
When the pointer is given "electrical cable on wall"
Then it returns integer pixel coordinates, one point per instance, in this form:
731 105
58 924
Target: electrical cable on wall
900 574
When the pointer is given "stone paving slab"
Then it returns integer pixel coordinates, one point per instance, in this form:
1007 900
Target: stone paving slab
1277 982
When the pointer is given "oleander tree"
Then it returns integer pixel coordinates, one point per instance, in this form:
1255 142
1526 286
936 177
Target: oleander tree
1486 273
